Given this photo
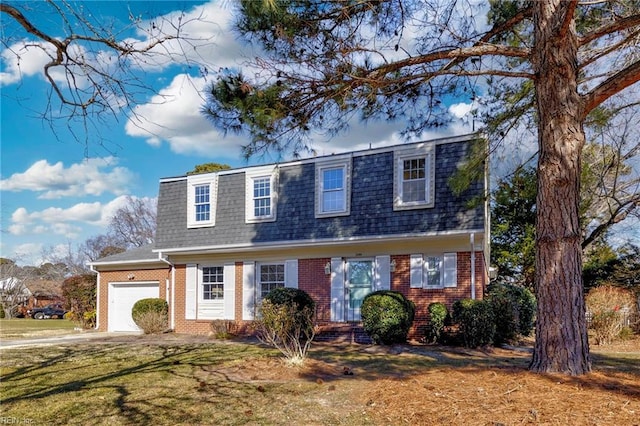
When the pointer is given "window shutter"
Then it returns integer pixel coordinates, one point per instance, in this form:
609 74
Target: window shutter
191 292
229 291
382 278
416 271
450 270
291 273
248 290
337 289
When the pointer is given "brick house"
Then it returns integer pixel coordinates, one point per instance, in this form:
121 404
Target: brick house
338 227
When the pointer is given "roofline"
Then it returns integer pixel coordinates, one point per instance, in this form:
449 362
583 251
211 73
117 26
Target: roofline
248 247
128 262
362 152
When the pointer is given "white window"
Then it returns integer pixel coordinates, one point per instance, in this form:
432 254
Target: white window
414 178
212 286
428 271
270 276
260 194
333 187
201 199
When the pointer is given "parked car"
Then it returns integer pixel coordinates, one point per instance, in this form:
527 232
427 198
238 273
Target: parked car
49 311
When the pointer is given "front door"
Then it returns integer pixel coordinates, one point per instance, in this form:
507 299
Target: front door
358 284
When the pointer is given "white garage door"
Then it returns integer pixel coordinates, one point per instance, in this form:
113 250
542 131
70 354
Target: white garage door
122 298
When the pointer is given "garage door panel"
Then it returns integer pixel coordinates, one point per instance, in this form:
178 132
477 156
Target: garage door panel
122 297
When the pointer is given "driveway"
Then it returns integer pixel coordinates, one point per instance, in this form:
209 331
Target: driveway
59 339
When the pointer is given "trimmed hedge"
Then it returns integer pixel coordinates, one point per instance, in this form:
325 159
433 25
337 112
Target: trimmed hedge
476 322
151 315
514 308
387 316
438 314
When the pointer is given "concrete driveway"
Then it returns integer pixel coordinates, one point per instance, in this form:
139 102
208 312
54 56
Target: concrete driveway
59 339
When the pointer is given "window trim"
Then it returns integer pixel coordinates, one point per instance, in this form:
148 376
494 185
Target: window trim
251 175
192 183
423 151
259 266
201 284
448 263
321 167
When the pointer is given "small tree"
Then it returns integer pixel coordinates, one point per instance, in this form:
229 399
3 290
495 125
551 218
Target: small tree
286 321
80 293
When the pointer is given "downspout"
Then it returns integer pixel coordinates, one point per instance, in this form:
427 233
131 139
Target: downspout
93 269
172 326
473 266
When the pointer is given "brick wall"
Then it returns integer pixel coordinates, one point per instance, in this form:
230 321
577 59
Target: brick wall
313 280
159 275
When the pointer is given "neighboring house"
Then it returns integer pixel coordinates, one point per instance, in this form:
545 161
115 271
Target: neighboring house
337 227
43 292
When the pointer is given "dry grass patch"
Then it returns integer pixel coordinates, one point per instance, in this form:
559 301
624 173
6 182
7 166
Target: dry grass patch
171 379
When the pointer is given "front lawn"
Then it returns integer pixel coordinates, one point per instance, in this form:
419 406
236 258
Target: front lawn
174 379
28 327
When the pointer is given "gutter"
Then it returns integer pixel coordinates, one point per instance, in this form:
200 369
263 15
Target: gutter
93 269
473 265
164 259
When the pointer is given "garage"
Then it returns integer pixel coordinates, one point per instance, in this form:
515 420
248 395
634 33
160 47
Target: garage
122 297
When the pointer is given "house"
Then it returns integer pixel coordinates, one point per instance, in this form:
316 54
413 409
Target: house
337 227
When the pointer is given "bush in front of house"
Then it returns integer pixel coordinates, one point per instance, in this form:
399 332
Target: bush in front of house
475 321
438 314
514 310
286 321
80 293
387 316
607 305
151 315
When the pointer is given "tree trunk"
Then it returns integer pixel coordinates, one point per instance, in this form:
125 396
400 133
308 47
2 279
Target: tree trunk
561 333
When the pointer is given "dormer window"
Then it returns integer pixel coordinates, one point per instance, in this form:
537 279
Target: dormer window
333 187
414 177
261 194
201 198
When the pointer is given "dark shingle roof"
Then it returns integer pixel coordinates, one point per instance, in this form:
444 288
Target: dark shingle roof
371 201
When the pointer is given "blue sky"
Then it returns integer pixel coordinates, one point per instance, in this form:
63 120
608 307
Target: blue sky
56 191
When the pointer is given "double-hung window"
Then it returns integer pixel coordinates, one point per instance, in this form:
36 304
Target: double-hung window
201 198
270 276
261 194
414 177
434 271
212 283
333 187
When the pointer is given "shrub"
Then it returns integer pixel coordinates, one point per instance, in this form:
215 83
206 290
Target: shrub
286 322
1 312
606 305
475 320
438 314
387 316
294 297
514 311
80 293
222 329
151 315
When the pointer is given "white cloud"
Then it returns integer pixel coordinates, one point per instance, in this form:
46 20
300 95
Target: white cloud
68 222
81 179
173 116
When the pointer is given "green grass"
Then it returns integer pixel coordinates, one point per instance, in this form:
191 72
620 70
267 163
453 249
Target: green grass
27 327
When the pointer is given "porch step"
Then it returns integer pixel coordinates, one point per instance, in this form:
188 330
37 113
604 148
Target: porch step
343 333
